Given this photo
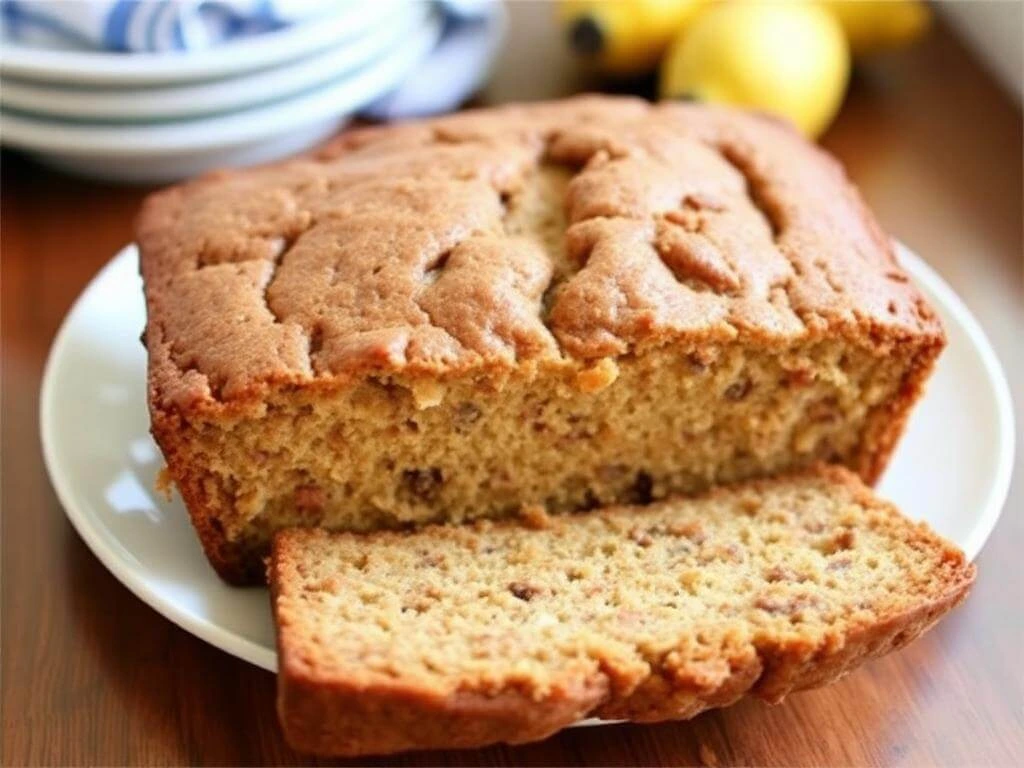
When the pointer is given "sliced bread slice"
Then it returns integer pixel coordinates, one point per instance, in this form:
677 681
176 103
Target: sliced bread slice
466 636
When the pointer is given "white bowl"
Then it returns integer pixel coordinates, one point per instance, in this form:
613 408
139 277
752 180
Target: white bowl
149 103
166 169
168 151
77 67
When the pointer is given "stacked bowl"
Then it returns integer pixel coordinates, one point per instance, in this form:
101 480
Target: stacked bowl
154 117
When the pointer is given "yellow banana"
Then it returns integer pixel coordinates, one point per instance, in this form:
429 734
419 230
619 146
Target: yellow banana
624 37
877 25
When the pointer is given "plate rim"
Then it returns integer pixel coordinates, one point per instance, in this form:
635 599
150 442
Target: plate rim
922 273
89 528
104 68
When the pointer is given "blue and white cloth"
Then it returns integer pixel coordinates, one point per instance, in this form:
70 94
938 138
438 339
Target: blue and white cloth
151 26
472 35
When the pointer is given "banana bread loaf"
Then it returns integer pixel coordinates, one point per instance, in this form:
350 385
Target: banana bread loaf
566 304
470 635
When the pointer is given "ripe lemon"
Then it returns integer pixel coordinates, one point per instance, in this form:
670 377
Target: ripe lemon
790 59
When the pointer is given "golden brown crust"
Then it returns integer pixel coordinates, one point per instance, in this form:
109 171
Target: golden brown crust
330 709
387 252
415 722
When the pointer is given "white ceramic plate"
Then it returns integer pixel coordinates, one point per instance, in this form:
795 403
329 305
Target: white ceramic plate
148 103
952 468
163 151
77 67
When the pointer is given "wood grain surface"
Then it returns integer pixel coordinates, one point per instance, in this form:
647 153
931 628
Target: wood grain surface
92 676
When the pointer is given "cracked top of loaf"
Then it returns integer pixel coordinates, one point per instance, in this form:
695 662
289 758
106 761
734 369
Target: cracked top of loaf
509 238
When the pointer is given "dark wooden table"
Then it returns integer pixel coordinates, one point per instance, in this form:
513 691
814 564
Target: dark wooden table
91 675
